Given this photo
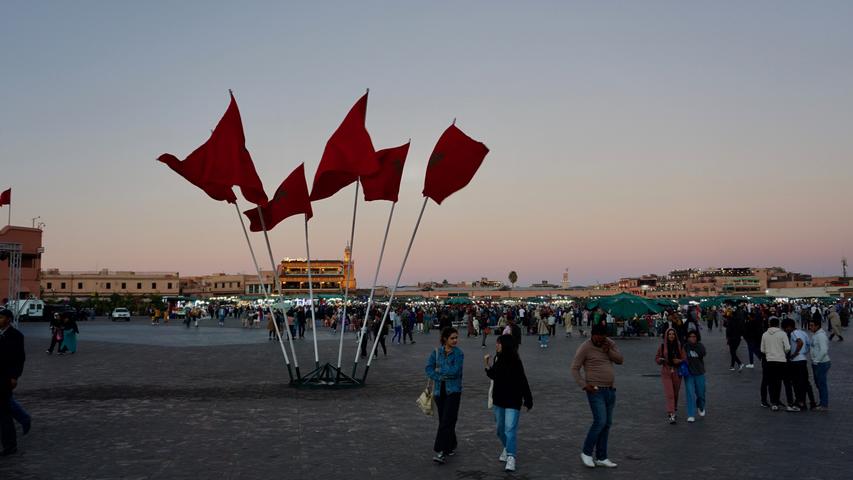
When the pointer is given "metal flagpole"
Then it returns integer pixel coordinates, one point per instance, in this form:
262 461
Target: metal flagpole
260 277
280 296
372 290
311 297
393 292
347 275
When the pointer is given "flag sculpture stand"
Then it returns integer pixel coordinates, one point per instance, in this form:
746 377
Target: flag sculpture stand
223 162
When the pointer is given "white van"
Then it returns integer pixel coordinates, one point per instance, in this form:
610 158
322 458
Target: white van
29 309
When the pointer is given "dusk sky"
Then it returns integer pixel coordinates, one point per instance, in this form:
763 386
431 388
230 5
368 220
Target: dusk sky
625 137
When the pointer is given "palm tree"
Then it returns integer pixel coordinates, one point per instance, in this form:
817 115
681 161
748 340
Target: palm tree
513 277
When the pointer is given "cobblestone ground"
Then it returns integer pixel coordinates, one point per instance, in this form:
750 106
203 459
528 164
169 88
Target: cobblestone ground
165 402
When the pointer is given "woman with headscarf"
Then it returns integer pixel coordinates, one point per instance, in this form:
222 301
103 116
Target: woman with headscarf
669 356
509 392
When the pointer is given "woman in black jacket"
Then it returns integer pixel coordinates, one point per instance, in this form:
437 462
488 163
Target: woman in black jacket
509 392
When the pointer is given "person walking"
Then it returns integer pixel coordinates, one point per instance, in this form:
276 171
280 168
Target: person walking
444 367
596 357
509 392
69 335
835 323
734 332
12 357
775 347
543 330
819 353
694 384
669 356
55 334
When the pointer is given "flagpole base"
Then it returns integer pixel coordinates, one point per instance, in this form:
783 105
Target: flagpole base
327 376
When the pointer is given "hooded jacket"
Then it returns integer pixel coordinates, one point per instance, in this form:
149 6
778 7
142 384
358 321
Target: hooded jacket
775 345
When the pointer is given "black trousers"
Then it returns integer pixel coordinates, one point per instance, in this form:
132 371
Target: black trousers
448 412
775 374
7 425
733 344
409 333
53 342
800 378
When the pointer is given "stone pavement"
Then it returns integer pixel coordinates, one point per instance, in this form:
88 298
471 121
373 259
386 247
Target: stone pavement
142 402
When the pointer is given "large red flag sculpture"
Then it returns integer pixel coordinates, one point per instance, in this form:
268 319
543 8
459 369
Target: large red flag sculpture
6 197
385 183
222 162
349 154
290 199
453 163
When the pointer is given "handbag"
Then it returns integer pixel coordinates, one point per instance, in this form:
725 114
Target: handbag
683 369
425 399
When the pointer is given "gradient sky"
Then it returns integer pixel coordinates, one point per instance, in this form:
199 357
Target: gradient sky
626 137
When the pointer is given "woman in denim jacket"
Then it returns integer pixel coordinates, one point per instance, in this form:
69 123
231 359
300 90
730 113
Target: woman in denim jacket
445 368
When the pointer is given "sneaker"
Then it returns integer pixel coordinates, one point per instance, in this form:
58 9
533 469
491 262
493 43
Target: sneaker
740 368
510 464
691 419
587 460
450 453
48 352
502 458
765 404
820 408
790 408
671 418
750 365
439 458
732 369
605 463
701 413
774 408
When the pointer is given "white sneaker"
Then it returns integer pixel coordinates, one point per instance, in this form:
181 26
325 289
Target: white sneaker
510 464
691 419
701 413
749 365
587 460
605 463
502 458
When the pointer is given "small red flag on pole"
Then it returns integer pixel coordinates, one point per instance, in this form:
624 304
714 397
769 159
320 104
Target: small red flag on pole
385 183
453 163
349 154
290 199
222 162
6 197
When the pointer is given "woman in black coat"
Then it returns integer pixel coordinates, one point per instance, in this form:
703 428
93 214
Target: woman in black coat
509 392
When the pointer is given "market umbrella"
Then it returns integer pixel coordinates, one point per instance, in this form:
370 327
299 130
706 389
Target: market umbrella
626 305
458 301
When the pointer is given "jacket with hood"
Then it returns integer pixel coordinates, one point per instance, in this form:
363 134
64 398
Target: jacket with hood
775 345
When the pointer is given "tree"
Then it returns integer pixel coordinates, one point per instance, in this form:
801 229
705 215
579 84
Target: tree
513 277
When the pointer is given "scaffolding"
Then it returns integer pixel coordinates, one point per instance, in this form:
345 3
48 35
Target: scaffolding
13 252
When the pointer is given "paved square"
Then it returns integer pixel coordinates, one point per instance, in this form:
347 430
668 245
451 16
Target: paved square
165 402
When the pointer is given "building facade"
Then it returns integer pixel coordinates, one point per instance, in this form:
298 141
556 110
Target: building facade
326 275
104 283
31 251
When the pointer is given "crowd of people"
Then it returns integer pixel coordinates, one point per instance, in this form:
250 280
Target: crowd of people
772 333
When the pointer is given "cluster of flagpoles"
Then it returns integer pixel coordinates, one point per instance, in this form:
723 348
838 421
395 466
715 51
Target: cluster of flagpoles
223 162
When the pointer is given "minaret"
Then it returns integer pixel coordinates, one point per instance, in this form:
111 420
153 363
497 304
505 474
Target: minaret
347 260
565 282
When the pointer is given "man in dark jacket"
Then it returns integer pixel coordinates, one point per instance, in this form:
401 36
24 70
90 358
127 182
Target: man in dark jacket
11 366
734 332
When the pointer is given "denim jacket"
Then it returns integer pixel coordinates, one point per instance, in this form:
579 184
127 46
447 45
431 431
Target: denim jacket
446 368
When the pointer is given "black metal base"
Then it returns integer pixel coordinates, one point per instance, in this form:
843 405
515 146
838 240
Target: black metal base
327 376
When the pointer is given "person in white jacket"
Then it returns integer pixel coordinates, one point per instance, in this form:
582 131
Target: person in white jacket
819 352
775 347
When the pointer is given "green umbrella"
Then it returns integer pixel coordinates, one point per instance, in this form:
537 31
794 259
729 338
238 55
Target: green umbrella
626 305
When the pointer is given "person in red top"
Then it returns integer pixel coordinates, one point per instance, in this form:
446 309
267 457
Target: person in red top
670 355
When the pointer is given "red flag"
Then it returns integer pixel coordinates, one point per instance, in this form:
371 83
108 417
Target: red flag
453 163
291 198
6 197
349 154
385 184
222 162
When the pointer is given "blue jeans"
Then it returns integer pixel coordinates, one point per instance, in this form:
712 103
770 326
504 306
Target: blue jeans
507 423
601 403
695 386
543 339
820 370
